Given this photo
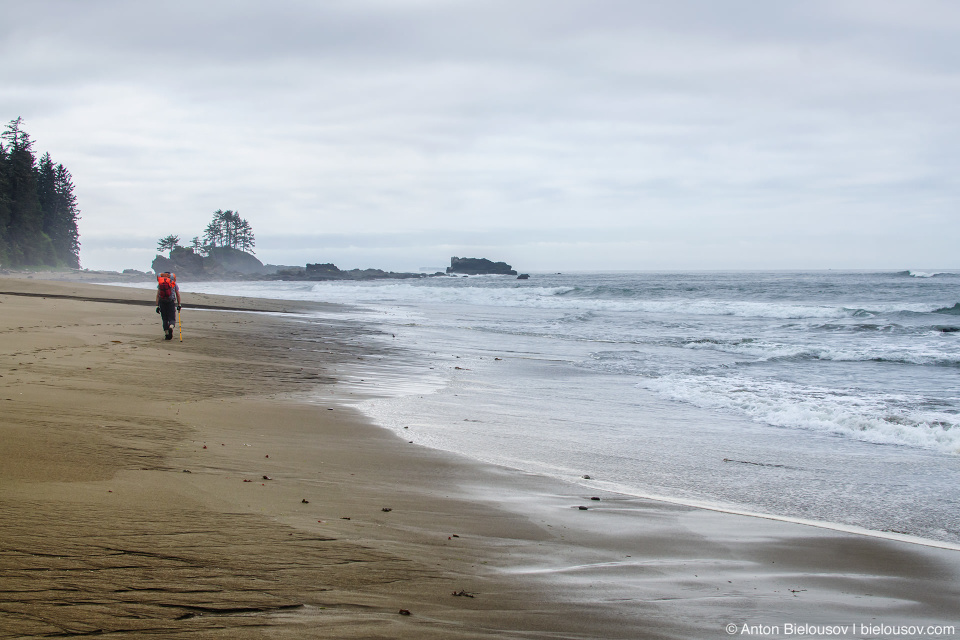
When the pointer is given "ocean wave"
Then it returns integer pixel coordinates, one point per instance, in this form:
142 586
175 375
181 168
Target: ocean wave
880 419
498 292
766 351
634 363
858 327
605 292
556 298
906 309
926 274
950 311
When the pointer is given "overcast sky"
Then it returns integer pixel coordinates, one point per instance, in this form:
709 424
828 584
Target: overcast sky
555 135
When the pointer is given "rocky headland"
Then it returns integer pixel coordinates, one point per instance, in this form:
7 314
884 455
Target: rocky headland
220 263
330 271
225 263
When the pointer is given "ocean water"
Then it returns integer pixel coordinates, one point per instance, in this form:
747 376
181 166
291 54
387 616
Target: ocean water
831 397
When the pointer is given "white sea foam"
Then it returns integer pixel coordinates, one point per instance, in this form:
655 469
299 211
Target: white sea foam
571 299
880 419
919 352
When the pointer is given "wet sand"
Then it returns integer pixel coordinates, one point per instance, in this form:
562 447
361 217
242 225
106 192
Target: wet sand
221 487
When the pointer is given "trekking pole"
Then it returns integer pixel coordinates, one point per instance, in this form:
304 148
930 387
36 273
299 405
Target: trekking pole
180 324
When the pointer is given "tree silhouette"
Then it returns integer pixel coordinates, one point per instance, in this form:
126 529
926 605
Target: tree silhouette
228 229
38 210
168 243
65 235
245 240
23 240
60 213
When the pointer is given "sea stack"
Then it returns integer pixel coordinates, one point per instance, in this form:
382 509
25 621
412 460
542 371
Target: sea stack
479 266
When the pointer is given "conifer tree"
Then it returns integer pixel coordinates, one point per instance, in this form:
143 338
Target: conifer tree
46 189
25 239
38 209
63 230
168 243
245 239
4 205
59 207
228 229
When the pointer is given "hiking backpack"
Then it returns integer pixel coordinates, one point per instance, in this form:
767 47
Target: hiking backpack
166 287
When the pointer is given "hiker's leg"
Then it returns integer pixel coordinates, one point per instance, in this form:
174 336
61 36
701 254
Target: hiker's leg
168 314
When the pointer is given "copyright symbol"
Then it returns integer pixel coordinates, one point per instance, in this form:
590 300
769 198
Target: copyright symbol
731 628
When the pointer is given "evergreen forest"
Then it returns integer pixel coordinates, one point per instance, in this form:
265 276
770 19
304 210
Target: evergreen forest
38 209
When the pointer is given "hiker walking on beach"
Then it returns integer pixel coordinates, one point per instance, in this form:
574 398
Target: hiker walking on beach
168 302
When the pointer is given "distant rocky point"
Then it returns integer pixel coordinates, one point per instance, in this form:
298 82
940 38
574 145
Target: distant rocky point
479 266
226 263
221 263
329 271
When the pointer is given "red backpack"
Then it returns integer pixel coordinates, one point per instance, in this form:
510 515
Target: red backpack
165 286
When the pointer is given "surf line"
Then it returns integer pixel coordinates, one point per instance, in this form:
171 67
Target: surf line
819 524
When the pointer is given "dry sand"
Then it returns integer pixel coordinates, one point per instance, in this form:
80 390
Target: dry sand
220 487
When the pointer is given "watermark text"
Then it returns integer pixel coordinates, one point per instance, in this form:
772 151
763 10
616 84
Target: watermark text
850 629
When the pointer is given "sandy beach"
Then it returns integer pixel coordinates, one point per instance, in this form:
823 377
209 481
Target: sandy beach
222 486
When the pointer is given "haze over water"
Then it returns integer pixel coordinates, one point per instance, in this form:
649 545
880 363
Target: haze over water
827 396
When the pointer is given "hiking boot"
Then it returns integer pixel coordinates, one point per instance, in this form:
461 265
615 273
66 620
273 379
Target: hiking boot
168 335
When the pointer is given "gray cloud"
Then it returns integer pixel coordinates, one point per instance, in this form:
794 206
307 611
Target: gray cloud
506 124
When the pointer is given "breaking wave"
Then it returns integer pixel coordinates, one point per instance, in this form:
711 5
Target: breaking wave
925 274
593 299
950 311
881 419
919 353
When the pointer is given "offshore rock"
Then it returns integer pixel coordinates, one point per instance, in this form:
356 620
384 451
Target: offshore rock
235 260
479 266
222 263
330 271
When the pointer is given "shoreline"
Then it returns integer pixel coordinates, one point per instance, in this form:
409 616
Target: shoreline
533 562
839 527
595 485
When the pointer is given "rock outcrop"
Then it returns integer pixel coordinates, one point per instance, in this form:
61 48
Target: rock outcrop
224 263
479 266
221 263
235 260
330 271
